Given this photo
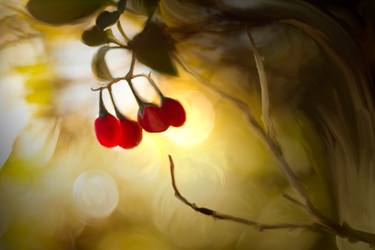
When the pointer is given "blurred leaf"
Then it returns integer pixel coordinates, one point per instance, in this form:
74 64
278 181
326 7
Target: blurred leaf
63 11
153 47
106 19
99 65
121 5
94 37
144 7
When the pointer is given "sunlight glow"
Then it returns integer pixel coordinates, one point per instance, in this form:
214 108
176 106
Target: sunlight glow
95 194
200 120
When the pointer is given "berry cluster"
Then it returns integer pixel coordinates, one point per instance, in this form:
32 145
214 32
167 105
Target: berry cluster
126 133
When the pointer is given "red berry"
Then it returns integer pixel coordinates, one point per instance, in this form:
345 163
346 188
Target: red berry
152 118
107 130
173 111
131 134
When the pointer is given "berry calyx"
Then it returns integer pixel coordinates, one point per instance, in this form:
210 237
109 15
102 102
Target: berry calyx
173 111
131 134
152 118
107 127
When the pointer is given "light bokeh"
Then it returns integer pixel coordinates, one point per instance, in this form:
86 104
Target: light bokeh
62 190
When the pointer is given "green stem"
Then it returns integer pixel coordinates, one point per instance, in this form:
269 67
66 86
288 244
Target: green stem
122 32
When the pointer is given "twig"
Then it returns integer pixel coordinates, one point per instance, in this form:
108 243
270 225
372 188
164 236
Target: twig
321 222
270 143
265 99
220 216
295 201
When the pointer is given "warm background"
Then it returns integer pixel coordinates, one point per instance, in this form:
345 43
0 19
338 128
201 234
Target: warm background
59 189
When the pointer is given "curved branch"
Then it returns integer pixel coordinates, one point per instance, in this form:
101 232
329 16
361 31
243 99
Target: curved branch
320 221
265 99
221 216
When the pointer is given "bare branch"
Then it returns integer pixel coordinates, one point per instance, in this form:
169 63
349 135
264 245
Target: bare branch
295 201
265 99
321 223
220 216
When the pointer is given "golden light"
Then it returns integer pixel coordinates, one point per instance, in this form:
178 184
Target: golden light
95 194
200 119
53 170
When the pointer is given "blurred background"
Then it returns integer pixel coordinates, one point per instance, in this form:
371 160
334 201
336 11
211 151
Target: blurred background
59 189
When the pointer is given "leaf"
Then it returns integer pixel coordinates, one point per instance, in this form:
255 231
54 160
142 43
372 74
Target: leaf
63 11
144 7
99 65
121 5
153 47
106 19
94 37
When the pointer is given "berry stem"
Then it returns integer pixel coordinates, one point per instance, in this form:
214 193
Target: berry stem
117 111
129 75
122 32
153 84
135 94
102 110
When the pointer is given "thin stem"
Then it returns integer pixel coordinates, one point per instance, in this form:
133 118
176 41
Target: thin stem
221 216
135 94
270 143
152 82
321 222
130 73
295 201
102 110
117 111
263 84
118 42
109 84
129 77
122 32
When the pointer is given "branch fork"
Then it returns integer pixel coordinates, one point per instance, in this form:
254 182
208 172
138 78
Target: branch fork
320 223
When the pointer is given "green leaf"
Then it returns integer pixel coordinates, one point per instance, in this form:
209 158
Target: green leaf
99 65
106 19
144 7
63 11
154 47
94 37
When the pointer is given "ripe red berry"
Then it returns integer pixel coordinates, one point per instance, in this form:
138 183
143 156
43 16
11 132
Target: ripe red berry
131 134
152 118
107 130
173 111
